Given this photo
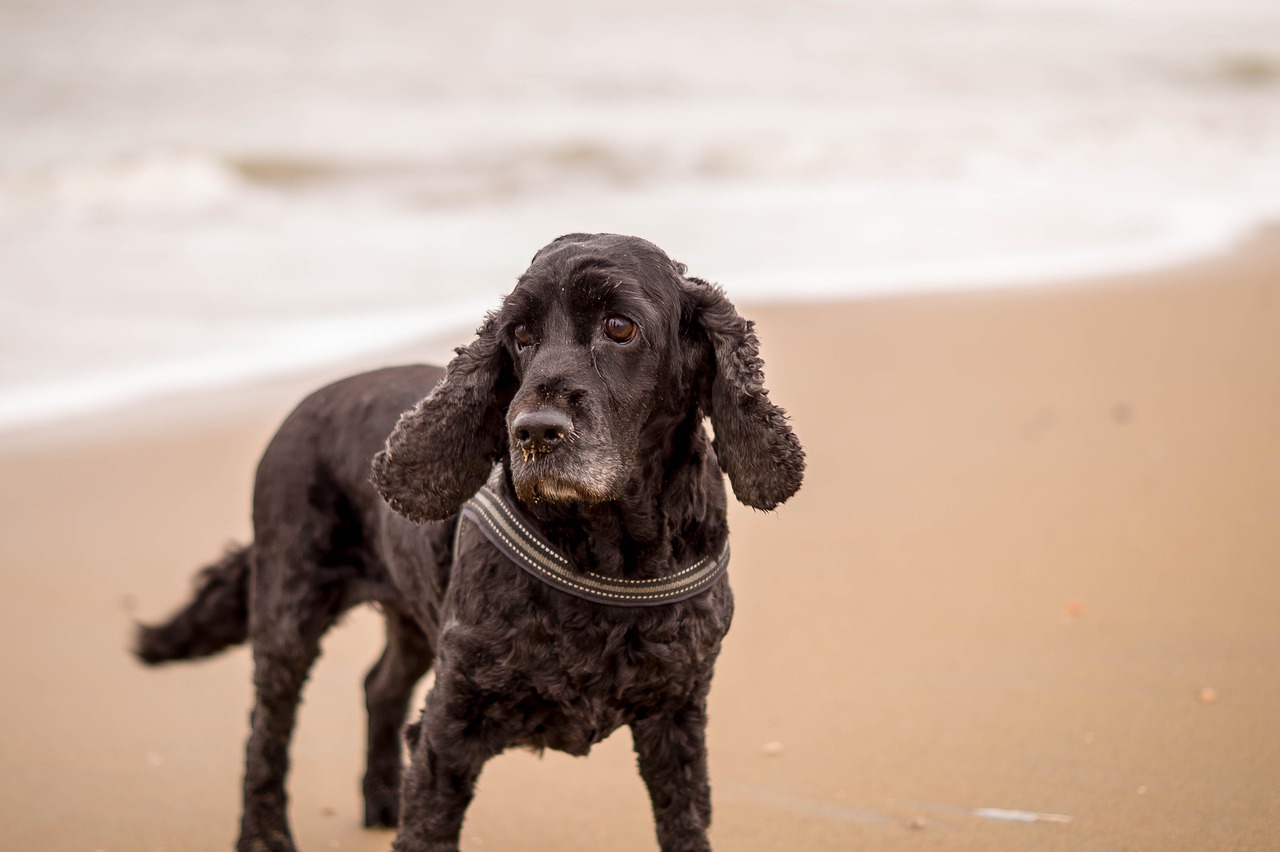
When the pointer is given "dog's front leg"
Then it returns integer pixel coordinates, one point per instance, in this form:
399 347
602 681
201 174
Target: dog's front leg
672 752
444 763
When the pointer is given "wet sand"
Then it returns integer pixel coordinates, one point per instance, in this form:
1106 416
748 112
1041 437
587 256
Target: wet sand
1035 565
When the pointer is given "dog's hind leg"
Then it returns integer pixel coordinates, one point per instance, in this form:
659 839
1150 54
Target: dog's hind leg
290 609
278 679
388 688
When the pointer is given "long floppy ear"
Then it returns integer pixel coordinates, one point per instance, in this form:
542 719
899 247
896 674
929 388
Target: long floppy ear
754 443
443 448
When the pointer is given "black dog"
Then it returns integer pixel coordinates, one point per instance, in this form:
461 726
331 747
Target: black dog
581 404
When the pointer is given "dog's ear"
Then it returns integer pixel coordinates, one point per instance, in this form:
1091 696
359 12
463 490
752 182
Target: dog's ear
443 448
754 443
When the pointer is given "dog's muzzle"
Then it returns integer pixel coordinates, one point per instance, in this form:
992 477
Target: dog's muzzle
544 467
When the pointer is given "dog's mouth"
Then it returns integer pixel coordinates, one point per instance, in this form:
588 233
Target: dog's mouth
538 479
552 490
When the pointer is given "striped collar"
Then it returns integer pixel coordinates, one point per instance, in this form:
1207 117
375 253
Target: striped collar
507 529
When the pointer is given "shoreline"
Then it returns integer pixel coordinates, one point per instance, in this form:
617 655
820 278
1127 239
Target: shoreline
27 411
1038 524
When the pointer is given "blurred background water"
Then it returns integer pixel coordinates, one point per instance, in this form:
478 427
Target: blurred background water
195 193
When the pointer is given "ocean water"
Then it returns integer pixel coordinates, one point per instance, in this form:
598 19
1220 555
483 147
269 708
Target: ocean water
201 193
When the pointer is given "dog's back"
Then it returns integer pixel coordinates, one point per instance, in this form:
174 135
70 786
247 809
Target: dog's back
312 497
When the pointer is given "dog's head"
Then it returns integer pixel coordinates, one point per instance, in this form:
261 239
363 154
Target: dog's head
603 345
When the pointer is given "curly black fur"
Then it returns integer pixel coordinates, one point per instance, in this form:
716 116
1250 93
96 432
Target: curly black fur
216 618
623 479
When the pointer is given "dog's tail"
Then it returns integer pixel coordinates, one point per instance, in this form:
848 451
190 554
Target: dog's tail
216 618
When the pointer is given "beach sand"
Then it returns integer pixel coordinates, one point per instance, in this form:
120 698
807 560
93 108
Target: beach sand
1035 565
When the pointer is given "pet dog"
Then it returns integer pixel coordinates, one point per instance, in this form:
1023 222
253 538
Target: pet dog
543 522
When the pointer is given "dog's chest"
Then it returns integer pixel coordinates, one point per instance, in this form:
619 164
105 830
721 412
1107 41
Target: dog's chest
549 673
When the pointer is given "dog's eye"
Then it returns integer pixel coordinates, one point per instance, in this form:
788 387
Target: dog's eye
522 335
620 329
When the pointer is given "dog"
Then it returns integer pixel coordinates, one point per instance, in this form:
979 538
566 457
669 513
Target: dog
543 522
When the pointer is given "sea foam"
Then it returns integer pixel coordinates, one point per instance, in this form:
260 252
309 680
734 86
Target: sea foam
379 181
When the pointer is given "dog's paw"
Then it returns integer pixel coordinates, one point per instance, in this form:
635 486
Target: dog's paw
380 812
266 841
405 845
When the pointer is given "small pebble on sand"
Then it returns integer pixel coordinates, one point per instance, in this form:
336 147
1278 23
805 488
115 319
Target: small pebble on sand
1074 609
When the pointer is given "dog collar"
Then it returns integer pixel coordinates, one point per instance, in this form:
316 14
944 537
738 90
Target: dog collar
506 528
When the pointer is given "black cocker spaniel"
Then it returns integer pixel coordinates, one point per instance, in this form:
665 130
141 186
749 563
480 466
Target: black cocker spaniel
544 524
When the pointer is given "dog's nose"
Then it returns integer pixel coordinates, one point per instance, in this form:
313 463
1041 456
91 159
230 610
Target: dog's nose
540 431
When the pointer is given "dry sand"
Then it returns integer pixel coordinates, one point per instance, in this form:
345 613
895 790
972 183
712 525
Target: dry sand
1037 524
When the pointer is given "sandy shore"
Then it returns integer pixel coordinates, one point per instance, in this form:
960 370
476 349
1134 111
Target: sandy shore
1038 525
